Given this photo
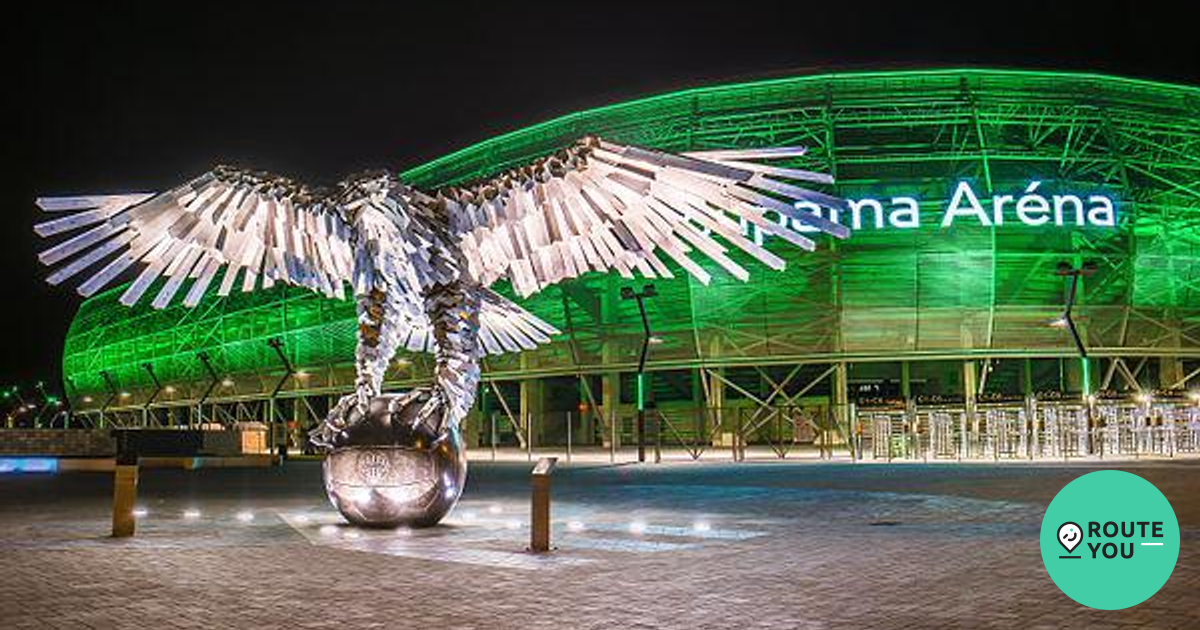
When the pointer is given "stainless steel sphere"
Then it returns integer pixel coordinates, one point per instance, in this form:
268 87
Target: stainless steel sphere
386 473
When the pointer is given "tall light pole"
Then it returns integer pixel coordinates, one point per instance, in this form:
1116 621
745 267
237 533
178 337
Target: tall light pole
627 293
8 417
47 402
1073 275
280 443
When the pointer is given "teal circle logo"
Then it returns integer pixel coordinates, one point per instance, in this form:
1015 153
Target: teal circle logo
1110 540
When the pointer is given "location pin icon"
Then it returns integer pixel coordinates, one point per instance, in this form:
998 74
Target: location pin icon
1069 536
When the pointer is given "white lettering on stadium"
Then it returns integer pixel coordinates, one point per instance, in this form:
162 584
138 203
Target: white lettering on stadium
1027 207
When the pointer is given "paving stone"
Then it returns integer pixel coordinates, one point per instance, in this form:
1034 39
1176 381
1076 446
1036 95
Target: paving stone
678 546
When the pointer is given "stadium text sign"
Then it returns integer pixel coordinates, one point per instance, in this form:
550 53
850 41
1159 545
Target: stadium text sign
966 206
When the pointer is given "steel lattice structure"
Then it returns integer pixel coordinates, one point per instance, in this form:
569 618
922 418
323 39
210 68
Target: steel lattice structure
965 292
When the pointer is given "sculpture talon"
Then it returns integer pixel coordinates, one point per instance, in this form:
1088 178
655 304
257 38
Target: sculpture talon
433 412
337 421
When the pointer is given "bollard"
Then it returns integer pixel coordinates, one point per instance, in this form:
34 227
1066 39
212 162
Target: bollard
539 521
125 480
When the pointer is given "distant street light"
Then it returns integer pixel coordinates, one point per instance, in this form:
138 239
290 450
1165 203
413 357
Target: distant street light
1068 270
627 293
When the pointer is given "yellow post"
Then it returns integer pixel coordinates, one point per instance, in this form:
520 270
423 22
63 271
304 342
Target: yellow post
125 482
539 522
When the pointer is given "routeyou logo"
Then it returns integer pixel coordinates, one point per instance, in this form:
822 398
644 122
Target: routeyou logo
1110 540
1069 535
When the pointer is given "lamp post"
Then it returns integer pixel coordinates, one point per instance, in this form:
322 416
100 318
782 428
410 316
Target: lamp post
280 442
8 417
41 390
70 393
627 293
1067 270
22 405
16 393
212 383
1072 274
112 394
149 367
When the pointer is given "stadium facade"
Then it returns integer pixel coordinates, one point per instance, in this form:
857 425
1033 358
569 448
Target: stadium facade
933 322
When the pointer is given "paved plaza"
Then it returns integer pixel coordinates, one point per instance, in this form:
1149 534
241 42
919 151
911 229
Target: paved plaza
679 545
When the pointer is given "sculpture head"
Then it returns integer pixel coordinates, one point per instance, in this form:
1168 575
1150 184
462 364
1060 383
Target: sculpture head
370 191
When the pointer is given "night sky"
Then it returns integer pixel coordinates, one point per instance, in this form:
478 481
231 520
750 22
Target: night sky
139 96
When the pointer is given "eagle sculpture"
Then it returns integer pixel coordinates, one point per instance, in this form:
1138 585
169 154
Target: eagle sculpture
419 264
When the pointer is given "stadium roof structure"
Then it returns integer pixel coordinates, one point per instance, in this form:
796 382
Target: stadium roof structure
893 291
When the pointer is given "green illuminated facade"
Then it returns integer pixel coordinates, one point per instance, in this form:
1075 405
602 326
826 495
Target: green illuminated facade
937 309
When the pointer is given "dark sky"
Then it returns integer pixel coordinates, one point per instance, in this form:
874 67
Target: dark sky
140 96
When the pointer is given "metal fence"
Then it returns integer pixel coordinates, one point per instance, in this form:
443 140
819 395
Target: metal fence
1030 430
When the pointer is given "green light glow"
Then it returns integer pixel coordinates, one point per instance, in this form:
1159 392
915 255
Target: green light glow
818 85
965 290
1087 376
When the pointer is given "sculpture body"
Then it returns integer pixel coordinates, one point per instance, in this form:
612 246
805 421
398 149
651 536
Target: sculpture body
420 265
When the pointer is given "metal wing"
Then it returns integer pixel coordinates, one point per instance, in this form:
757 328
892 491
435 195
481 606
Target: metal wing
259 225
601 206
503 327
